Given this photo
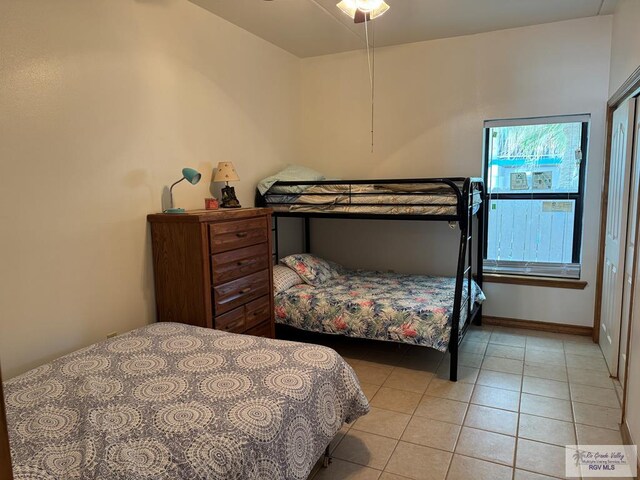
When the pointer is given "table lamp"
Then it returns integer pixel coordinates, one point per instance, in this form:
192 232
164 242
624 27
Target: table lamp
226 173
193 177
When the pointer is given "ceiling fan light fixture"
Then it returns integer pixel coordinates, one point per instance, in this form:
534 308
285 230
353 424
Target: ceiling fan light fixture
368 6
374 8
379 11
348 7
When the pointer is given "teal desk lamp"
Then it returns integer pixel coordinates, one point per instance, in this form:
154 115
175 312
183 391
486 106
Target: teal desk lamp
193 177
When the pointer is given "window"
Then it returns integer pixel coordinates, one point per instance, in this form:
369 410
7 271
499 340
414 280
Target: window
534 175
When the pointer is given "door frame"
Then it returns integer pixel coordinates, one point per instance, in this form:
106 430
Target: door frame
629 89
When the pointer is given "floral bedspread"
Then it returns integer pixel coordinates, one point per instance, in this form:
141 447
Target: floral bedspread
415 309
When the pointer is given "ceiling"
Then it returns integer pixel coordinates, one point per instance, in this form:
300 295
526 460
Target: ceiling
308 28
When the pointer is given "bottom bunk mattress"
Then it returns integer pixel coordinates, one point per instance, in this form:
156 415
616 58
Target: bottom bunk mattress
414 309
171 401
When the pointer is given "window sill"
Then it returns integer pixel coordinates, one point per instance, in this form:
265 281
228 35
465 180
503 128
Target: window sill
535 281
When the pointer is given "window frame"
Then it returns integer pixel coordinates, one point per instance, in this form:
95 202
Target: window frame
578 197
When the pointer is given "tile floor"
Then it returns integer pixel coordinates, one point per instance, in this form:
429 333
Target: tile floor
521 396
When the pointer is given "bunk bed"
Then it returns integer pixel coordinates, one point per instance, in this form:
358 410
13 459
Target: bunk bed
456 200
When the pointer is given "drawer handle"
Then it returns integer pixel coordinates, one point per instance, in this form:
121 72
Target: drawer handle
241 234
244 262
245 290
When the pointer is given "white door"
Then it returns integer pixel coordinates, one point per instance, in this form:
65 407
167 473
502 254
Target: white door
632 226
616 232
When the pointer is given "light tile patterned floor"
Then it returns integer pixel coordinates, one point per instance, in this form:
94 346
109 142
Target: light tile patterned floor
521 396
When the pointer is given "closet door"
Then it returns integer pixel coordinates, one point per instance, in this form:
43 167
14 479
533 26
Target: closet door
616 232
632 236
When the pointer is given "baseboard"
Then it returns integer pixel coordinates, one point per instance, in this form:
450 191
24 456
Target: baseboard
627 440
540 326
626 434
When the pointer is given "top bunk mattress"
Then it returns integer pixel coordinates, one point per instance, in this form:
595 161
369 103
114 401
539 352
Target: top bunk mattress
437 199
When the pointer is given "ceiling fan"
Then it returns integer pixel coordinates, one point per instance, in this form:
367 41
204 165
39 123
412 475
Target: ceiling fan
363 10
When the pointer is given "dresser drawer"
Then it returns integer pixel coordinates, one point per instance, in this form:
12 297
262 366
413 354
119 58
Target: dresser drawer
238 292
262 330
234 264
226 236
233 321
257 311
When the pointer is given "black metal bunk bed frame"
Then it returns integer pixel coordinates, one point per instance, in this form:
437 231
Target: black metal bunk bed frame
464 217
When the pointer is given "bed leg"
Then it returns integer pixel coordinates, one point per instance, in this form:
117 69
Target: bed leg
478 319
326 459
453 365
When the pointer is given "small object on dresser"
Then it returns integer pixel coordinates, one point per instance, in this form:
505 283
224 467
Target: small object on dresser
211 203
188 174
227 173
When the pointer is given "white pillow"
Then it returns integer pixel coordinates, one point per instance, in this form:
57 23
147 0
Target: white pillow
291 173
284 278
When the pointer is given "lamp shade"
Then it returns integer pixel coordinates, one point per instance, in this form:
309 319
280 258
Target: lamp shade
226 173
191 175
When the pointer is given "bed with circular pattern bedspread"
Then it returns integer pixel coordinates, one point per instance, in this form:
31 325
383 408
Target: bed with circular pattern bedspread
172 401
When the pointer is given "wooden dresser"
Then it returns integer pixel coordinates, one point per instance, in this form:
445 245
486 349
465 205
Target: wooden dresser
213 269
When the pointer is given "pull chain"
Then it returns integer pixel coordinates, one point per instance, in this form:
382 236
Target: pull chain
371 60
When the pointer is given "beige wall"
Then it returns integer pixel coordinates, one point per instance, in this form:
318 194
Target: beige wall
101 104
625 43
625 59
431 101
